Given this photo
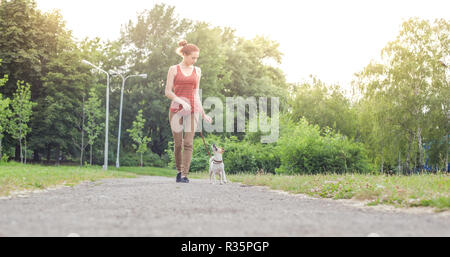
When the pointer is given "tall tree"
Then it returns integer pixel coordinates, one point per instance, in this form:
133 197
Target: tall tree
411 84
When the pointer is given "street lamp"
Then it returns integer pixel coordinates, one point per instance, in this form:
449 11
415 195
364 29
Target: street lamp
105 163
144 76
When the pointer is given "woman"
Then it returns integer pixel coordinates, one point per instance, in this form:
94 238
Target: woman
184 79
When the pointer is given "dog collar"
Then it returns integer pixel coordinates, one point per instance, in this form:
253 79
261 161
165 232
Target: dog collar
217 162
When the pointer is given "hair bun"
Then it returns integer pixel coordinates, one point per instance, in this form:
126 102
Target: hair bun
182 43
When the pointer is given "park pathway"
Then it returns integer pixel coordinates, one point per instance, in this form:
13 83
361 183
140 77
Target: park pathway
157 206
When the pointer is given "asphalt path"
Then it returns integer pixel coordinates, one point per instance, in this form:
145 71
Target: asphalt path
157 206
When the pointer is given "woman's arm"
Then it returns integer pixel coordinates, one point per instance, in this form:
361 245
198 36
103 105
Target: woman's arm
197 94
169 88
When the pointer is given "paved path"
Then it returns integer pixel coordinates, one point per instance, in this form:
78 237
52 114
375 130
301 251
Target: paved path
157 206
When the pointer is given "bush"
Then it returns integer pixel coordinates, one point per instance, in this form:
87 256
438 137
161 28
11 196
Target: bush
301 149
4 158
304 150
239 156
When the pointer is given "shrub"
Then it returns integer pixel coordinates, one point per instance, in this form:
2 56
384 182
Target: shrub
304 150
239 156
301 149
4 158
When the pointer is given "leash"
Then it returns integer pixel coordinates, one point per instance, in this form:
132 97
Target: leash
201 134
203 138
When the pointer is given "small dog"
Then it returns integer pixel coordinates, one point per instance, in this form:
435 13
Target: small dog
216 165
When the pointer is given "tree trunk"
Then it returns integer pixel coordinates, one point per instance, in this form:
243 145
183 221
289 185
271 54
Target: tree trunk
446 155
90 160
421 150
58 154
82 136
1 148
36 157
141 161
20 143
48 153
408 171
25 152
17 153
399 163
382 161
21 154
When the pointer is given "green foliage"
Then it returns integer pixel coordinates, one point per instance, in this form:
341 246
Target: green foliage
404 100
137 134
21 107
21 111
323 105
94 117
239 156
303 150
4 158
5 113
402 103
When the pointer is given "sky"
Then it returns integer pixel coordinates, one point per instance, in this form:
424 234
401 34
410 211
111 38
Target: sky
328 39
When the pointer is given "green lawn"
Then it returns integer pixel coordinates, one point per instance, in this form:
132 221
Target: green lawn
17 177
403 191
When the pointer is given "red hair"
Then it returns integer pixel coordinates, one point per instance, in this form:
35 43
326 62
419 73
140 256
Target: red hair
186 48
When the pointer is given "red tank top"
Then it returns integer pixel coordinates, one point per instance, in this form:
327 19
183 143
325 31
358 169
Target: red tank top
184 87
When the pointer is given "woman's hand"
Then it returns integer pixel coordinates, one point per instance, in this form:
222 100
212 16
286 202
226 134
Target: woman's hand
186 107
207 119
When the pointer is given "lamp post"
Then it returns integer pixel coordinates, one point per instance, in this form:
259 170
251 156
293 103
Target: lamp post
105 163
144 76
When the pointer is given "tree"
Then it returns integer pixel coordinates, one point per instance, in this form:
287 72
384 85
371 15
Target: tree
409 91
94 115
323 105
5 112
231 66
21 112
22 43
149 45
137 134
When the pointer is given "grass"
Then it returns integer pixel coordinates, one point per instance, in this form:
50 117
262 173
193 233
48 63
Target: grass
429 190
18 177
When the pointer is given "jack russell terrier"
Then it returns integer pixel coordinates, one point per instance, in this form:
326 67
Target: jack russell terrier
216 165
